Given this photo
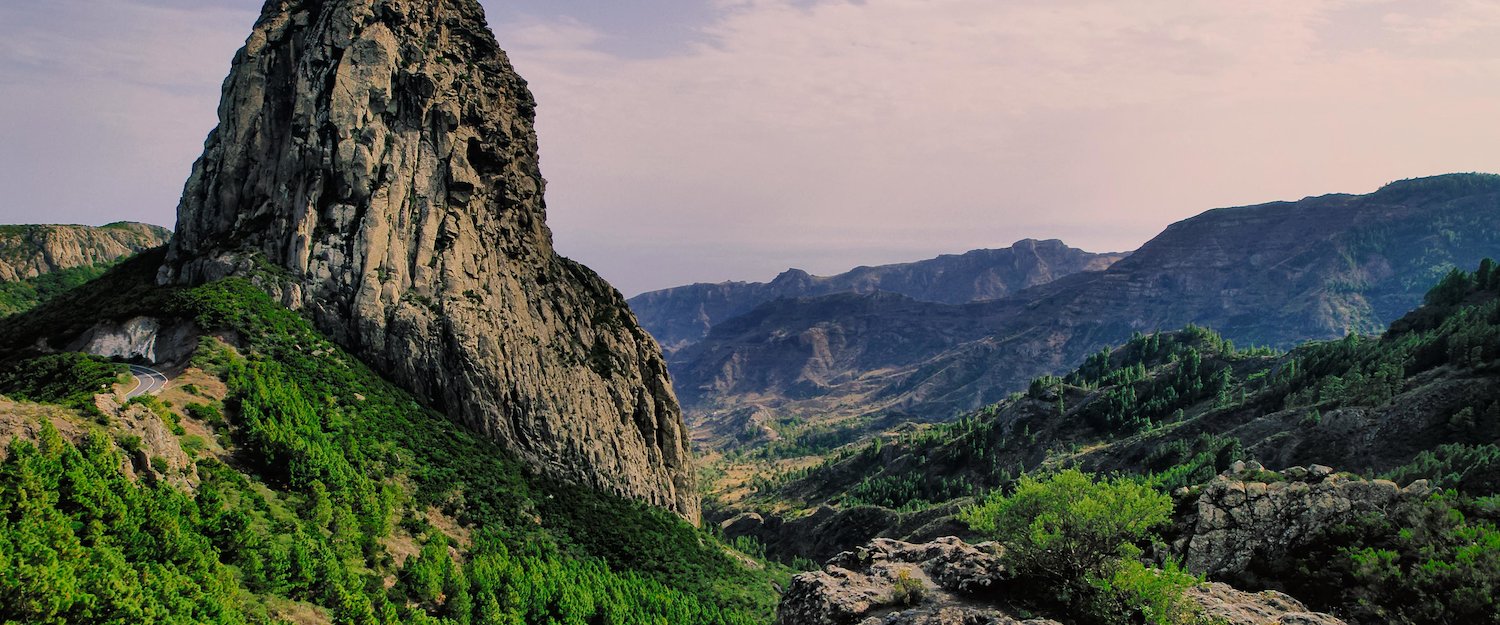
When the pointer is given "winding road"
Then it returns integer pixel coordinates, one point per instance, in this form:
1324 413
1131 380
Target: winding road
148 381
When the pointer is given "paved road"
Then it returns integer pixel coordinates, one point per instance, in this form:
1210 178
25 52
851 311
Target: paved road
148 381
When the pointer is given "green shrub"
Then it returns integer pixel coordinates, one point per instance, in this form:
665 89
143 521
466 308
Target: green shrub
1073 541
211 414
1156 595
908 590
193 445
71 379
1067 526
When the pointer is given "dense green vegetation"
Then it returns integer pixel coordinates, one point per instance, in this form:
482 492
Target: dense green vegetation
1154 376
1139 387
1169 411
332 471
1473 469
81 543
1428 561
1074 541
69 379
22 295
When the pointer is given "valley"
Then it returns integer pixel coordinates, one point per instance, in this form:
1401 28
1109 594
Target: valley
357 383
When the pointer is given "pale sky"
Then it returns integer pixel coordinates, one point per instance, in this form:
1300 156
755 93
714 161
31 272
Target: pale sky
705 140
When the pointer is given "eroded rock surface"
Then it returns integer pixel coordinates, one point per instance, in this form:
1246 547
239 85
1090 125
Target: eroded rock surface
963 584
1249 513
376 165
861 586
33 250
1236 607
140 338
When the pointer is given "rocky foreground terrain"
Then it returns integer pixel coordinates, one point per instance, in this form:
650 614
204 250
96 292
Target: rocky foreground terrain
1248 513
1245 516
950 582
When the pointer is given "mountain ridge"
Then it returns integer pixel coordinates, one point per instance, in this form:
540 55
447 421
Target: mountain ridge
680 316
41 261
1250 272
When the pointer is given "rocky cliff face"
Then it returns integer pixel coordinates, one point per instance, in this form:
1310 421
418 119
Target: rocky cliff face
1273 274
32 251
681 316
376 166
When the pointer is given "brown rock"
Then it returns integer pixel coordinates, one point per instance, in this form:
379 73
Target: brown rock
1235 522
861 586
960 586
1235 607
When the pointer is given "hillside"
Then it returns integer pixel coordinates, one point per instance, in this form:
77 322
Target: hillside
1187 412
39 261
683 315
1368 405
1419 402
279 479
386 398
1274 274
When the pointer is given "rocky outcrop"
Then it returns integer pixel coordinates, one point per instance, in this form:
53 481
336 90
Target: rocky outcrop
139 338
683 315
151 449
1222 603
890 582
827 531
32 251
1248 513
950 582
376 165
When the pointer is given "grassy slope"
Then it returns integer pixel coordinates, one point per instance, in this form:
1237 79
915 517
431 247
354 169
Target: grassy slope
1421 401
23 295
1182 405
330 464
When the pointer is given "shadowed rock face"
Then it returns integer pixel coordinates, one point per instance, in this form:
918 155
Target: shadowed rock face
379 157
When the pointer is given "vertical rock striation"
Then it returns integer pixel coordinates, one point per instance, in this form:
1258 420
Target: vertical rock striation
379 158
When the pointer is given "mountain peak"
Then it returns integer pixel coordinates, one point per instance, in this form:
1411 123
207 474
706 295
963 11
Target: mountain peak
1446 185
380 157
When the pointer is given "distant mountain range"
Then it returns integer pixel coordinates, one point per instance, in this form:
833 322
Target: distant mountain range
1272 274
683 315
